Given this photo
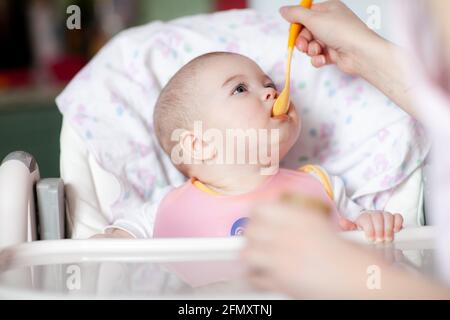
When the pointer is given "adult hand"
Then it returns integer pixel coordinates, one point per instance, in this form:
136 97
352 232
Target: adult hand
332 34
297 251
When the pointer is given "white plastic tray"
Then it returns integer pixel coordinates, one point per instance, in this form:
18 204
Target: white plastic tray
155 269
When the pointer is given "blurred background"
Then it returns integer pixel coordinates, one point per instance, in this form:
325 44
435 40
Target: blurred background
39 55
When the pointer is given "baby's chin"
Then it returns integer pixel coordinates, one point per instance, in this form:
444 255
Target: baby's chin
287 141
288 124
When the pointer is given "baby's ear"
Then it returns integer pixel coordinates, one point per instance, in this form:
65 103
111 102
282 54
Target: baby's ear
196 148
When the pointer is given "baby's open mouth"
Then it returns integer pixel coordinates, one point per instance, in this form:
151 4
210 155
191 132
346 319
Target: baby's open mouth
283 117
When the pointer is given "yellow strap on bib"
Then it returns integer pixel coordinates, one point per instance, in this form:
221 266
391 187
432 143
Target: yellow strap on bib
323 177
203 188
317 171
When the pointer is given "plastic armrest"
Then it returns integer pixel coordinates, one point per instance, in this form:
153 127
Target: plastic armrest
51 210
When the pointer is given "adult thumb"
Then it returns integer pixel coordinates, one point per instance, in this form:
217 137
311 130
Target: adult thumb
296 14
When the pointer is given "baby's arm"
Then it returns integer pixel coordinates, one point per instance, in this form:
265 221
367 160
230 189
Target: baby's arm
138 223
377 225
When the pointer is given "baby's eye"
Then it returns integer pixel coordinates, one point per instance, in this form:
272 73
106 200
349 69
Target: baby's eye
241 88
271 85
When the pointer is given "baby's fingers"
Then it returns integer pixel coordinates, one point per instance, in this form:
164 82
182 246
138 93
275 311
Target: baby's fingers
398 222
378 225
388 227
365 223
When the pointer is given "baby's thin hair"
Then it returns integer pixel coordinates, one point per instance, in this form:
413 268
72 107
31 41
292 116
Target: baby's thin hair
174 108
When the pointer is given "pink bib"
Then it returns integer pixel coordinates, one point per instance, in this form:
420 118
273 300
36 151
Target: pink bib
189 212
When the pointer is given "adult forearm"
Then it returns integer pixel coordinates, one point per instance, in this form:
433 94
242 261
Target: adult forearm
378 62
370 277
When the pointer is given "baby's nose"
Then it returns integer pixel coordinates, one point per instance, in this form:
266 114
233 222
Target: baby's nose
270 94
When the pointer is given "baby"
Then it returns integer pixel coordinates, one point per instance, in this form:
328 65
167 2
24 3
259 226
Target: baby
212 102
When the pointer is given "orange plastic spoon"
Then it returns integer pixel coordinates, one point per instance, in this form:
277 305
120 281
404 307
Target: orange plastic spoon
281 105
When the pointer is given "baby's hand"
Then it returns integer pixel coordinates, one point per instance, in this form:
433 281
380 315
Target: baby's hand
379 226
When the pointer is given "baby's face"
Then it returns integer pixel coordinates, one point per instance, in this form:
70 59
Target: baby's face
234 93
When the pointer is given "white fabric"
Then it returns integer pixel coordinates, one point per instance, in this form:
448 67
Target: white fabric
349 128
84 213
347 207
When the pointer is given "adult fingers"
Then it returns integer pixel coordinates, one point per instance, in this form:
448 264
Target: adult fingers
319 61
306 34
256 259
296 14
314 49
303 40
261 280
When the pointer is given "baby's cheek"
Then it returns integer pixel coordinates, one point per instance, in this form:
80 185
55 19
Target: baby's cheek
254 120
252 115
